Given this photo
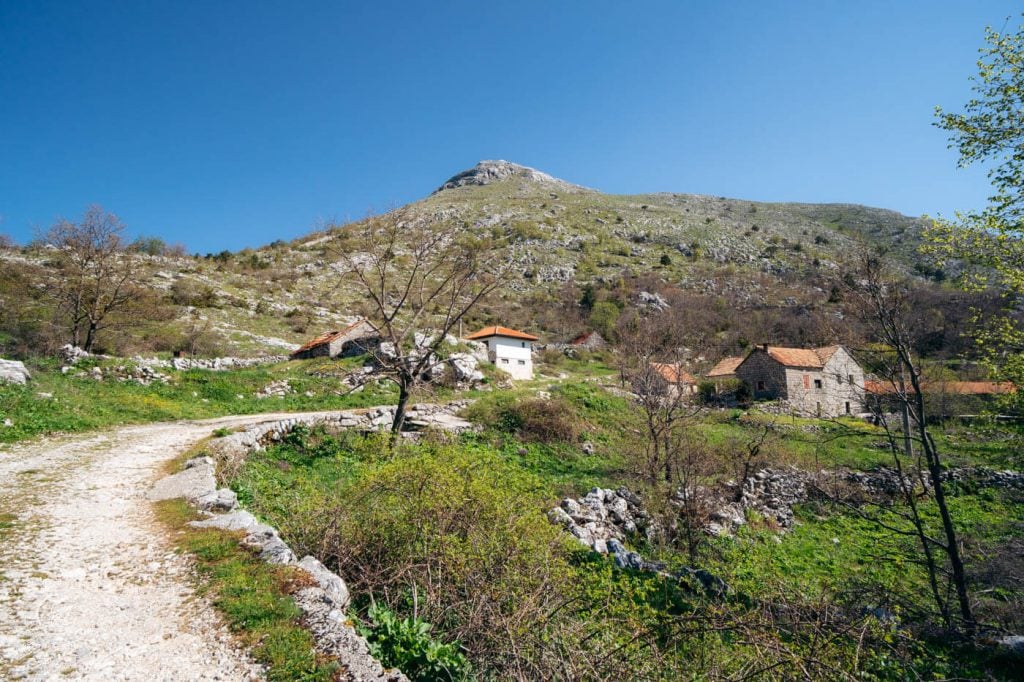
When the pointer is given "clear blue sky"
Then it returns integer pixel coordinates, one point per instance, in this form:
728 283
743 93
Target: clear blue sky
231 124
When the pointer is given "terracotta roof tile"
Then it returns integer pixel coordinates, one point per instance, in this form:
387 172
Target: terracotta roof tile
725 367
328 337
496 330
948 387
673 373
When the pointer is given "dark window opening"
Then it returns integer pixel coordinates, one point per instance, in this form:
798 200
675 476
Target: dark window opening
817 383
760 385
847 408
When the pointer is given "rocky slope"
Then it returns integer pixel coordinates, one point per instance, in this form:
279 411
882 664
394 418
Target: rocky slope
267 300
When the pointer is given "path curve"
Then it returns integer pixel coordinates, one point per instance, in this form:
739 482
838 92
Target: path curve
90 587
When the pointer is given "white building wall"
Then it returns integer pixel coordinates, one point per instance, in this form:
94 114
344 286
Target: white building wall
513 356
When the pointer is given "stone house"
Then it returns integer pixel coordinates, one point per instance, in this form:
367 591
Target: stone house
510 350
810 382
357 338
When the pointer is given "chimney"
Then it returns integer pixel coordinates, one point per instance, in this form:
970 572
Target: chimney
764 347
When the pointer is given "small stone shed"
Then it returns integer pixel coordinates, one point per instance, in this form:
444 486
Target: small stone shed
724 371
677 381
357 338
591 340
811 382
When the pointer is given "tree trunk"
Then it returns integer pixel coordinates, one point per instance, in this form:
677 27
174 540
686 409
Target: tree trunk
403 401
952 542
90 338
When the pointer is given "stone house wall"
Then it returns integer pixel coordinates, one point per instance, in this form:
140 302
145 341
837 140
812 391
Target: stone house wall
765 377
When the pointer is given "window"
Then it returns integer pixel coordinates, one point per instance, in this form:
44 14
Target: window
504 361
807 381
847 408
522 362
817 383
850 377
760 385
524 344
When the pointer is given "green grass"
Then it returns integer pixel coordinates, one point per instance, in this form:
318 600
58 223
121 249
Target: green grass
252 595
83 403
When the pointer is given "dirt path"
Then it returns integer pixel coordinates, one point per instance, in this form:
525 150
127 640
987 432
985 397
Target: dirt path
89 586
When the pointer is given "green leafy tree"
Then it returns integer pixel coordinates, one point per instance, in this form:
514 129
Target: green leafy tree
990 130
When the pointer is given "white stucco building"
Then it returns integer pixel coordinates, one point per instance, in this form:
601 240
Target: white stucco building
511 351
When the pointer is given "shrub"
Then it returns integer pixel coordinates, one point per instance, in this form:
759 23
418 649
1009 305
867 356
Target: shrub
406 644
542 421
460 533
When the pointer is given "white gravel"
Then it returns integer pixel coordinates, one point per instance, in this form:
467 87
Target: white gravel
90 588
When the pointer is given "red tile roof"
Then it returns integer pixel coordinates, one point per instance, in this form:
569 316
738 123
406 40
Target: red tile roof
673 373
584 337
725 367
328 337
947 387
814 358
496 330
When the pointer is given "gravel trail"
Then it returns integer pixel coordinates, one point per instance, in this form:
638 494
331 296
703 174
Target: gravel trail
90 588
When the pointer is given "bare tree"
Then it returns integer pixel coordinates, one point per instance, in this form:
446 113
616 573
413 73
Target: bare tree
670 460
419 278
97 277
887 304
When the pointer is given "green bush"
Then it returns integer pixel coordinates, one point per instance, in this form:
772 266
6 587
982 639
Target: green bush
460 533
406 644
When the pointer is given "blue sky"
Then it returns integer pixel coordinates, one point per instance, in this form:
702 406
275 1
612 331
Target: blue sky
230 124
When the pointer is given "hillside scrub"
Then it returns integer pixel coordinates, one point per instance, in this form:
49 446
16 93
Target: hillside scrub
452 534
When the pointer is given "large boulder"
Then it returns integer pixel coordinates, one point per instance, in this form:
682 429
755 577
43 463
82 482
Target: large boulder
13 372
464 368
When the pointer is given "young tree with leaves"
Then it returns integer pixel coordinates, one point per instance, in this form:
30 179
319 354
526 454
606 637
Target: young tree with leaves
990 131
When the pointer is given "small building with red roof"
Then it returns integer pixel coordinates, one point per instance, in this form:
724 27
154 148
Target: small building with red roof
509 349
355 339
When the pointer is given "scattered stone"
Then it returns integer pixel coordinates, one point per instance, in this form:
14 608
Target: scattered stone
653 301
13 372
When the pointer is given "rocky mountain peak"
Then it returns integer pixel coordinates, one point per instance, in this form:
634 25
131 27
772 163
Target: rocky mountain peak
487 172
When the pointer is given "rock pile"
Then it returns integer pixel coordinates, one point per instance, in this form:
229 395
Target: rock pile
653 301
275 389
603 515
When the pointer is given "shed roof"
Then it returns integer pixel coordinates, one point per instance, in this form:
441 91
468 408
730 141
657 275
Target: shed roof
673 373
726 367
329 337
876 387
497 330
591 336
